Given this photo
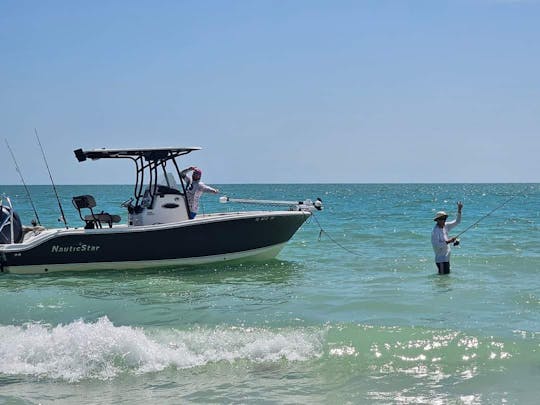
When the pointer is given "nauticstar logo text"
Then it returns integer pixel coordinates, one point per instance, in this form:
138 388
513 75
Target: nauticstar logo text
77 248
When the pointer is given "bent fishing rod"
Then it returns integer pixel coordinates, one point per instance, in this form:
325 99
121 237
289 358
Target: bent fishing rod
63 219
456 243
23 182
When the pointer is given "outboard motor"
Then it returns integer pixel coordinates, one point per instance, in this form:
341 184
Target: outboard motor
9 220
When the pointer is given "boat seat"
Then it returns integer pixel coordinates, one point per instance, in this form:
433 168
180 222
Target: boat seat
93 219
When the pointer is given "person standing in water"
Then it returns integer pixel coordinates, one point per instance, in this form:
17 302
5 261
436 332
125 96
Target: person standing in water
440 240
195 188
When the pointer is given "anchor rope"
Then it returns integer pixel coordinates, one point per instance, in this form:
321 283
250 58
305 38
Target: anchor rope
322 231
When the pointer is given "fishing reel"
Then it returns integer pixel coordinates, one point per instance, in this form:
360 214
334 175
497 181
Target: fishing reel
456 242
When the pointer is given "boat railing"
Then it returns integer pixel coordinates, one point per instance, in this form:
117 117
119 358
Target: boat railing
305 205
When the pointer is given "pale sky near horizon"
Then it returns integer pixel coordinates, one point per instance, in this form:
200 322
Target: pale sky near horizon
301 91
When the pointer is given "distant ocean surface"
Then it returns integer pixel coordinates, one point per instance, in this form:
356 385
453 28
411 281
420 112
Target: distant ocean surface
354 315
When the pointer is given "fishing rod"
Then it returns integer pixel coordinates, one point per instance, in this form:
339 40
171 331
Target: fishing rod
23 182
63 219
456 243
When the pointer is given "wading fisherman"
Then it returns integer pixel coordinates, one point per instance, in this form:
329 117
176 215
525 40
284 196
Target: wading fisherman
440 240
195 188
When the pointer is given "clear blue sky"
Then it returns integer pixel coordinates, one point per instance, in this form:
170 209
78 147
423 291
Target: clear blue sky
275 91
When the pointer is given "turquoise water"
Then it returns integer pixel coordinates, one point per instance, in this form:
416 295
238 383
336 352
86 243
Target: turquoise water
357 316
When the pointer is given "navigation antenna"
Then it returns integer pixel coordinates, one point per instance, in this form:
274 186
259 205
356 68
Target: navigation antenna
63 218
23 182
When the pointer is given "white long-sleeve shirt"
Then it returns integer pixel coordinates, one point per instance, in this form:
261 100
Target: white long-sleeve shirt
439 236
194 191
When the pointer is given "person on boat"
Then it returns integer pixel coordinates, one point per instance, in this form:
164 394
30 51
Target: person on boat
440 240
195 188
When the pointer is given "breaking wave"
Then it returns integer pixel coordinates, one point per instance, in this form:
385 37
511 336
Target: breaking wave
100 350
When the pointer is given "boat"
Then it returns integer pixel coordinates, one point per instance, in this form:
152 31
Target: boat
158 231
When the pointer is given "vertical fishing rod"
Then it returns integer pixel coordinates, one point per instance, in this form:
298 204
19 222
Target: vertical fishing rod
24 184
52 181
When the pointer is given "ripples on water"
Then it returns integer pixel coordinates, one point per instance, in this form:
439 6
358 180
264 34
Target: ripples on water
317 325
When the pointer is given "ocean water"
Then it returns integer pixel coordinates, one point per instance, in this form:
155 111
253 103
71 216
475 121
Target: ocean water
354 314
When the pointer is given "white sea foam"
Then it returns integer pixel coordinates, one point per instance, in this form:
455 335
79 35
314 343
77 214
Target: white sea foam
102 350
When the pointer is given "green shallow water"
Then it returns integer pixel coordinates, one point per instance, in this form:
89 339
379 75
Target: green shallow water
320 324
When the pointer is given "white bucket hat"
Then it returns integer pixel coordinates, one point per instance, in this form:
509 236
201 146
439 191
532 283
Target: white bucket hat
439 215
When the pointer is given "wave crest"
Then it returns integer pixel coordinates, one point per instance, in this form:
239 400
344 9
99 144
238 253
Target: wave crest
101 350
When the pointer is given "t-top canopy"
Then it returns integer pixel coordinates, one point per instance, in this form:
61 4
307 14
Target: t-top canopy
149 154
